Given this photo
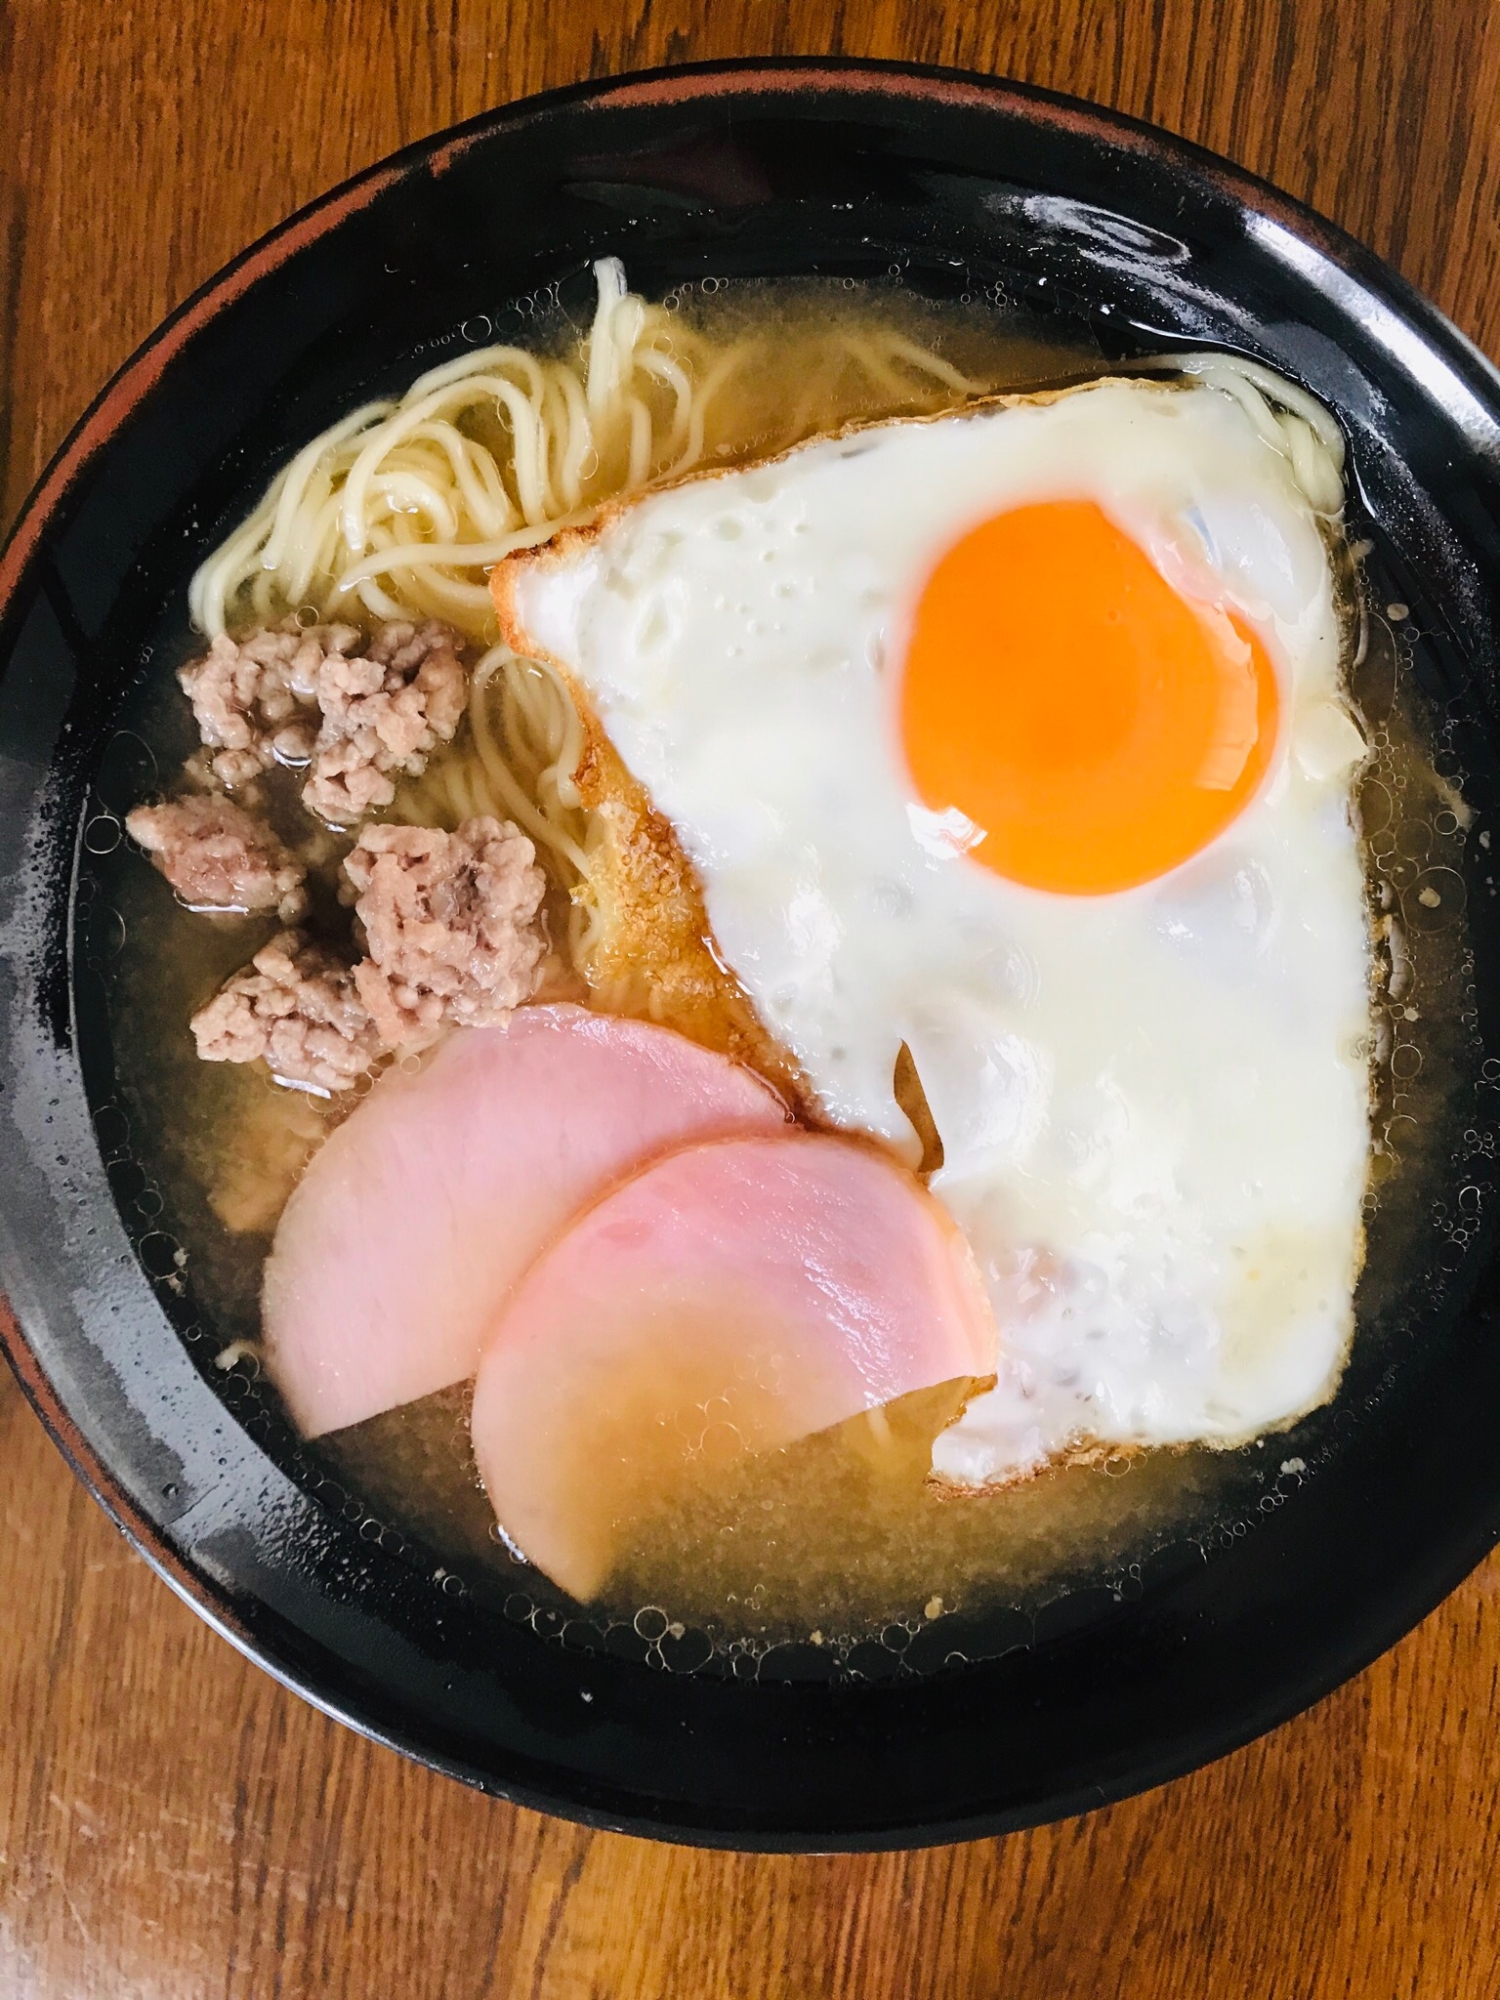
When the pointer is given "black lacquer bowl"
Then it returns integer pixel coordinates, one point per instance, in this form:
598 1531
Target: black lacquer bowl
753 169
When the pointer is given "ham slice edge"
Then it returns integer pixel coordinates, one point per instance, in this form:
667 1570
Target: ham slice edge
734 1296
396 1251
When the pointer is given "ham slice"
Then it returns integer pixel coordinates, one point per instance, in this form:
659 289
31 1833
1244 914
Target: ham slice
397 1249
729 1299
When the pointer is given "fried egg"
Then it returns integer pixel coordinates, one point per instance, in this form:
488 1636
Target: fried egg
1016 739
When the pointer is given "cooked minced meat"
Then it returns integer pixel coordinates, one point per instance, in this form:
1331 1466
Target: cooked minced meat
453 930
359 718
255 699
296 1006
217 856
384 711
452 925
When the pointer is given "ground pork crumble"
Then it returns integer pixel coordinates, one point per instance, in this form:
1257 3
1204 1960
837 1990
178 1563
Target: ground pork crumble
384 712
294 1004
450 922
452 925
306 697
219 857
255 700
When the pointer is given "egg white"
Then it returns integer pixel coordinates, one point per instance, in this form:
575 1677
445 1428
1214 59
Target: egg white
1153 1105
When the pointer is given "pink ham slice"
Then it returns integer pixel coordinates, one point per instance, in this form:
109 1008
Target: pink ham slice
398 1247
730 1299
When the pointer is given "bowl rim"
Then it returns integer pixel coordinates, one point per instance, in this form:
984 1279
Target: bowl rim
737 75
746 76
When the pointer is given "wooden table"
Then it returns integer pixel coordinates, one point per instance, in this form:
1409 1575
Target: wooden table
171 1823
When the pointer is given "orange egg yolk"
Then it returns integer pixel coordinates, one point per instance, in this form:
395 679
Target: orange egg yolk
1095 727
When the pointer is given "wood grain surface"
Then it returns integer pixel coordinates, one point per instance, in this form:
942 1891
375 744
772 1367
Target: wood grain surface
172 1824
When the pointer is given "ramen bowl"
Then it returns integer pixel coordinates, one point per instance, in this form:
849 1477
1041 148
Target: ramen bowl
1323 1546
